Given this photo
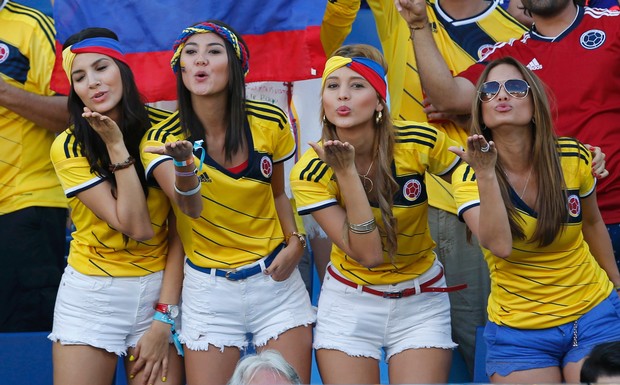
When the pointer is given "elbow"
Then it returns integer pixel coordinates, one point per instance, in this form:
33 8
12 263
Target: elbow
191 210
370 260
500 251
192 213
142 234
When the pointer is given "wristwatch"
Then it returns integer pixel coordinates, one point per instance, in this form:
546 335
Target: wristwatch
171 311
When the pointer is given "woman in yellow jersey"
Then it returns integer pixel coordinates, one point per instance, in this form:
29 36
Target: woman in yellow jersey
234 218
529 197
110 290
384 289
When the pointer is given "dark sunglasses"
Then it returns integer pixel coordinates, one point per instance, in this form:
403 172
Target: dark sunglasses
517 88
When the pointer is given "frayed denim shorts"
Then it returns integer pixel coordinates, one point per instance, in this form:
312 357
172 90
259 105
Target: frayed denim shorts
510 349
220 312
110 313
361 324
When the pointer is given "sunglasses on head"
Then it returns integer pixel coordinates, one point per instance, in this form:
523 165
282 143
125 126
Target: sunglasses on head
517 88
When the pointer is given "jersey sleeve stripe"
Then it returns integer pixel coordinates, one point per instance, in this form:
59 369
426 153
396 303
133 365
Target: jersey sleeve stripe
44 22
304 210
73 191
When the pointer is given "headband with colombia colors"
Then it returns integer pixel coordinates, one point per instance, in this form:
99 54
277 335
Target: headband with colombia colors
223 32
369 69
103 45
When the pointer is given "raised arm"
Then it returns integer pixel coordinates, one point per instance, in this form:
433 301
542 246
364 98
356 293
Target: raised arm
337 222
177 178
446 93
489 221
337 23
126 210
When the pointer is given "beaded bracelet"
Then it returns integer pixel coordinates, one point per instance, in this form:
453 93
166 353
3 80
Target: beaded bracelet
183 163
113 167
363 228
417 27
186 173
191 192
299 236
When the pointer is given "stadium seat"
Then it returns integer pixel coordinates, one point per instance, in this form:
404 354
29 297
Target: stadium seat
25 358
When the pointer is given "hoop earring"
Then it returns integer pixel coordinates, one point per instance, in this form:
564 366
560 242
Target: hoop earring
324 119
378 117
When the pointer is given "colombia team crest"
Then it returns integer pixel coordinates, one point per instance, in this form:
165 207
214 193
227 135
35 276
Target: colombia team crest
592 39
412 190
574 206
4 52
266 167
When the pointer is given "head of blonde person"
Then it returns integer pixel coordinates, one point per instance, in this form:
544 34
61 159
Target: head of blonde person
265 368
383 136
544 156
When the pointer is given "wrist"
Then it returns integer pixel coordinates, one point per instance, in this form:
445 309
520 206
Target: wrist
418 26
301 239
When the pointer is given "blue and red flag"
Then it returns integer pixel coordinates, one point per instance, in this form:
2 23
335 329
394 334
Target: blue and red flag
282 35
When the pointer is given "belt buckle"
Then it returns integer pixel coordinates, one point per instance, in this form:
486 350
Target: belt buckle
393 295
228 277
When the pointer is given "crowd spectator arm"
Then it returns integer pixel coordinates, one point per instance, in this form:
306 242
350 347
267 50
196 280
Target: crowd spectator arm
595 234
49 112
445 92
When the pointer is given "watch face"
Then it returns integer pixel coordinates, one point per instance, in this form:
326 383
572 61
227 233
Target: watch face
173 311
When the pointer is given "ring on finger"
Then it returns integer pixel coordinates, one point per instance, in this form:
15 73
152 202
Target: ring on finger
485 148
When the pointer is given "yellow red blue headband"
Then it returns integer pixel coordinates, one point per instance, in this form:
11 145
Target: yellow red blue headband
241 51
102 45
371 71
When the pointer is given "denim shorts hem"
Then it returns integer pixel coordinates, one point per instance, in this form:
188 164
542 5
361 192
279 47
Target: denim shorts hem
265 339
348 352
507 368
85 342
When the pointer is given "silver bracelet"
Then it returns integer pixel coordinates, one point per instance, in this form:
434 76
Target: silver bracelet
363 228
191 192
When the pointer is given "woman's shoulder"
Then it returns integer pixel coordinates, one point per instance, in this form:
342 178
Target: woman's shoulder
170 125
65 145
256 109
572 148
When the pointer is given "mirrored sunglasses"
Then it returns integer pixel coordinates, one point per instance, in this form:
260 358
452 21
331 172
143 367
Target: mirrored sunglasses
517 88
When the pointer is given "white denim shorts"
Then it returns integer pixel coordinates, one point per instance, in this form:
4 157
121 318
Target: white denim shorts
362 324
104 312
221 312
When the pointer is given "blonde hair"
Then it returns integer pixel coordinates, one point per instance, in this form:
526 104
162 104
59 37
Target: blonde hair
551 199
382 149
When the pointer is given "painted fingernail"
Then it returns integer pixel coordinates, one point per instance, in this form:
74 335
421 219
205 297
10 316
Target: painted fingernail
131 376
132 358
163 379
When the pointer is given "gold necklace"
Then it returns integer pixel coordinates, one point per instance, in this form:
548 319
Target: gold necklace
366 178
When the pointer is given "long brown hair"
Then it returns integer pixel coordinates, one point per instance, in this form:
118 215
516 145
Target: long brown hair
382 149
551 199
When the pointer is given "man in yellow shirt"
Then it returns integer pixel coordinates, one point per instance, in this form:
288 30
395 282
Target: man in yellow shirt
32 204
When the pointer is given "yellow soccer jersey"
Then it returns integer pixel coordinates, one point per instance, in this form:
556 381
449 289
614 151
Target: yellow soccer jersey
460 42
540 287
419 148
239 223
27 56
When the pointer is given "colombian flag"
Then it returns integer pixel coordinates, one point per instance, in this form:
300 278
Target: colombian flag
282 35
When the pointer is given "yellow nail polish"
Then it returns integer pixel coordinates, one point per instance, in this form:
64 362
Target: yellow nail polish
131 376
132 358
163 379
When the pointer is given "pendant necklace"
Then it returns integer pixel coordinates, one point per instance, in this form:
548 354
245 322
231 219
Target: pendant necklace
527 181
365 179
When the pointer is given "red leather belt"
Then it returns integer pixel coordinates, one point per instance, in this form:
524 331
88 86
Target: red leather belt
425 287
